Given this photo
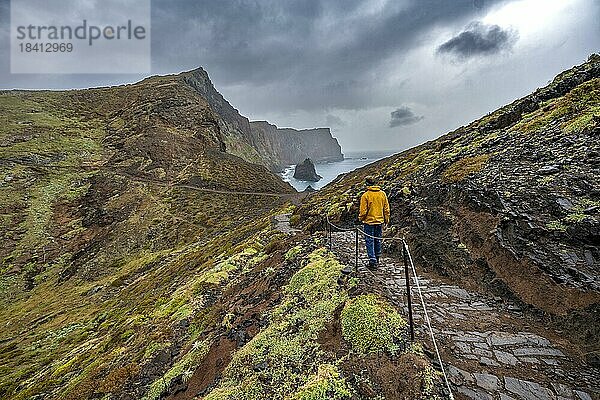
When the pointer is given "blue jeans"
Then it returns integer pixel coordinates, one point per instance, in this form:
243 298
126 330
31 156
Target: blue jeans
373 245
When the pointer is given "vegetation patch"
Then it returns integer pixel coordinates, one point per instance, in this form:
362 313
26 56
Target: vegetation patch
459 170
183 368
371 325
285 356
325 385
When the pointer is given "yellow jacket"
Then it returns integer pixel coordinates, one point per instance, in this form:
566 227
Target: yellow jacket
374 207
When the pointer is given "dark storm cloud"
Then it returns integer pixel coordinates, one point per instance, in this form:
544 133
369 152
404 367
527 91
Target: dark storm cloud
479 39
404 116
288 55
308 54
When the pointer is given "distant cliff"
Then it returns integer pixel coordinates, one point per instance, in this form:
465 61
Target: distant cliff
260 142
291 146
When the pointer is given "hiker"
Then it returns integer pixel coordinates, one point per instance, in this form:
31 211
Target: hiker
374 212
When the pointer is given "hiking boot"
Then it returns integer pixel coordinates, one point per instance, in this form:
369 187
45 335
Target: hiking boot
371 265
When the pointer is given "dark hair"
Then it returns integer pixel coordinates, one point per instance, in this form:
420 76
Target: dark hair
370 181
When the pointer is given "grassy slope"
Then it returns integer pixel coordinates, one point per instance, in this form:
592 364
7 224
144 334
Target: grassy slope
93 235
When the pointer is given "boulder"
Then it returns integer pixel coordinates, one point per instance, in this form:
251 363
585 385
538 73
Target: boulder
306 171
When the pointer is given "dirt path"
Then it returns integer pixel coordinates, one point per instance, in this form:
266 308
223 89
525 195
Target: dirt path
295 198
490 349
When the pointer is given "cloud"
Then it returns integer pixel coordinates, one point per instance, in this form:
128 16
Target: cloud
324 53
273 55
404 116
479 39
332 120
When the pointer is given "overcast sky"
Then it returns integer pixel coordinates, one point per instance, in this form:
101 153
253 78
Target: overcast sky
383 74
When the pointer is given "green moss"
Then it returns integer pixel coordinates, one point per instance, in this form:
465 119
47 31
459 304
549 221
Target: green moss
127 334
429 376
575 217
293 253
460 169
295 220
353 282
153 348
556 226
371 325
580 123
574 110
286 350
46 193
325 385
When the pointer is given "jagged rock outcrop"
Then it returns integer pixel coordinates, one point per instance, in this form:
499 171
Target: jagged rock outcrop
260 142
509 203
290 146
306 171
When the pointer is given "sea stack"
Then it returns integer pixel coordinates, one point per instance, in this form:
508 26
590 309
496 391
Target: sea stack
306 171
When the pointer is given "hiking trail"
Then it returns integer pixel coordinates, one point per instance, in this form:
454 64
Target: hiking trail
490 349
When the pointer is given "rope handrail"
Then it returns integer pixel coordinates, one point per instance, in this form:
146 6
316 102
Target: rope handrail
435 346
408 256
360 230
339 227
376 237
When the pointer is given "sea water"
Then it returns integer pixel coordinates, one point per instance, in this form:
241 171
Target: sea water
331 170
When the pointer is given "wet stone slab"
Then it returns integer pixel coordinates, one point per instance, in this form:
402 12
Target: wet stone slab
487 381
527 390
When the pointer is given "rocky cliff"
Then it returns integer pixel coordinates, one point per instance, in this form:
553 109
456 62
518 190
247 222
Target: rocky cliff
291 146
306 171
261 142
508 204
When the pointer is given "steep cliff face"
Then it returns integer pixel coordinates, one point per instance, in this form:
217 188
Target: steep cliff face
291 146
234 127
260 142
509 203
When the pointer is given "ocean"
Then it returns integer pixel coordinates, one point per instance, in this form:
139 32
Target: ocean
331 170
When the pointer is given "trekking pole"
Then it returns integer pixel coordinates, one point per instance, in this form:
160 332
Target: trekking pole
410 315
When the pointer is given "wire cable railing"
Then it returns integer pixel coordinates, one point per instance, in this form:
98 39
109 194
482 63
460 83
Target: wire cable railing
408 261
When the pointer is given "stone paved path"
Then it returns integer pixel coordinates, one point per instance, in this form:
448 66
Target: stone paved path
490 349
282 224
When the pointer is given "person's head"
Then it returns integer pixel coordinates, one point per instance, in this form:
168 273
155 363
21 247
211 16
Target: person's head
370 181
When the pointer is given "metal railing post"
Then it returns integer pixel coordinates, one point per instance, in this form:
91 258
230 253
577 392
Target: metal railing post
356 248
408 295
